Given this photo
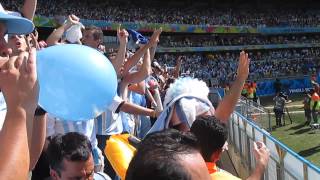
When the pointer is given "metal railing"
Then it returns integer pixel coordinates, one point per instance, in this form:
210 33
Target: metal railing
253 111
283 163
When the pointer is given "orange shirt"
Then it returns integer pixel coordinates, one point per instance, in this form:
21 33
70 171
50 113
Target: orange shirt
212 167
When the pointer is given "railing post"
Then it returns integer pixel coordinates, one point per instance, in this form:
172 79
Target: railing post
234 135
281 169
305 171
249 154
240 144
266 173
269 119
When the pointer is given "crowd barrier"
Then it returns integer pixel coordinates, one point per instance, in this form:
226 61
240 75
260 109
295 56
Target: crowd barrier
284 164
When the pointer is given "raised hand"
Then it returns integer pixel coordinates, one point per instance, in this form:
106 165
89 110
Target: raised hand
180 59
34 41
73 20
18 81
122 35
243 66
154 39
261 154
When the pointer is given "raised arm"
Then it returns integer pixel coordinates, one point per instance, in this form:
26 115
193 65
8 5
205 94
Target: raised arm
153 51
123 39
136 77
29 8
56 35
138 110
178 67
228 103
142 73
139 88
132 61
18 81
38 136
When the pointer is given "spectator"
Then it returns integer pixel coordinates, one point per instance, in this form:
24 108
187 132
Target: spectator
19 87
70 157
168 155
183 103
151 12
278 109
234 40
314 105
208 128
306 107
268 64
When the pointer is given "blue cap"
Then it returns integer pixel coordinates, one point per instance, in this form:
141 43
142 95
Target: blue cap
15 24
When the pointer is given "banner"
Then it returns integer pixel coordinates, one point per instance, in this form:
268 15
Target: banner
288 30
289 86
42 21
236 48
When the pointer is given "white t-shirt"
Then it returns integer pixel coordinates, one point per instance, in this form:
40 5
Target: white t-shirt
3 110
56 126
110 122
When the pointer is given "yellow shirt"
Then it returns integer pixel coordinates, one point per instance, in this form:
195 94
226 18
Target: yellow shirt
217 173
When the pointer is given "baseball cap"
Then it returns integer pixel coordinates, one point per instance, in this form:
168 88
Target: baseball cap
15 24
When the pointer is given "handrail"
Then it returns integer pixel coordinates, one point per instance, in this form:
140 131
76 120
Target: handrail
280 143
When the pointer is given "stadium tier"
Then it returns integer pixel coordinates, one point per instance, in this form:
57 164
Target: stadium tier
278 39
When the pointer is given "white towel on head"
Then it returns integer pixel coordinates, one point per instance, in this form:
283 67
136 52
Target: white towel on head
189 96
187 85
188 107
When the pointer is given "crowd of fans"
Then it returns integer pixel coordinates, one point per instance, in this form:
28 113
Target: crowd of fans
45 145
182 134
130 12
234 40
78 149
264 64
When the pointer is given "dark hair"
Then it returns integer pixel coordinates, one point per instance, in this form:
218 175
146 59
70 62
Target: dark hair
159 156
211 134
72 146
97 32
169 81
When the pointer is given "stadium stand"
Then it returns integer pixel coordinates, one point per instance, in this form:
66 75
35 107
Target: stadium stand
139 11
